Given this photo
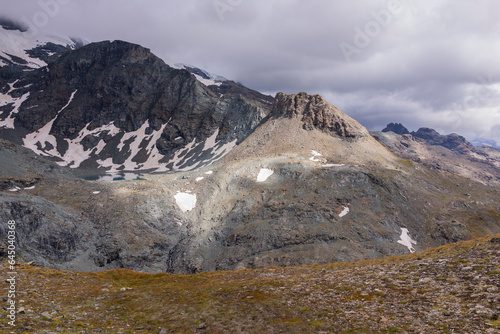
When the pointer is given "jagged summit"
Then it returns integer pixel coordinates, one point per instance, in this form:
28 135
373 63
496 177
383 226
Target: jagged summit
316 113
300 124
432 137
397 128
452 141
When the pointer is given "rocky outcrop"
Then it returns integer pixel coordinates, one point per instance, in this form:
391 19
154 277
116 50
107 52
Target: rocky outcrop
452 141
316 113
45 231
397 128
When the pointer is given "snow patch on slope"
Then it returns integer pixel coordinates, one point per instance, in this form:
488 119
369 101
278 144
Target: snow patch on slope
191 156
8 122
185 201
315 156
188 158
344 212
333 165
264 174
76 154
406 240
39 139
207 82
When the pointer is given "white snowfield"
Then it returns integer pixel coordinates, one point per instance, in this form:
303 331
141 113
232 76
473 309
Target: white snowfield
264 174
344 212
185 201
406 240
134 148
16 43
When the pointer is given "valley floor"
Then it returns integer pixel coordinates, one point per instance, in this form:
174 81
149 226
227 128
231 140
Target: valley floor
450 289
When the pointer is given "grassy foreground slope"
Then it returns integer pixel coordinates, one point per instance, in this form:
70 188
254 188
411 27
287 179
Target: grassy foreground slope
450 289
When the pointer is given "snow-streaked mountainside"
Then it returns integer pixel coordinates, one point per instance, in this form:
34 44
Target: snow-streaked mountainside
116 125
308 185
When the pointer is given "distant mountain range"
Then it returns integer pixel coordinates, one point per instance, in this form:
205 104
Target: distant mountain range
224 177
452 152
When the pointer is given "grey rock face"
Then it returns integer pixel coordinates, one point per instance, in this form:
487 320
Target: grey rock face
46 232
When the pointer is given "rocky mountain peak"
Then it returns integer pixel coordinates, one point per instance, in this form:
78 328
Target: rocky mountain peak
452 141
317 113
397 128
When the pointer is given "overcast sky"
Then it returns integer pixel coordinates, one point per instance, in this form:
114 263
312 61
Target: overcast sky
421 63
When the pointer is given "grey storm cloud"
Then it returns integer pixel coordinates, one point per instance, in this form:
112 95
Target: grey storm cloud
422 63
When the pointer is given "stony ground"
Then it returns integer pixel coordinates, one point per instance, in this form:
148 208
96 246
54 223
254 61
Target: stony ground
450 289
